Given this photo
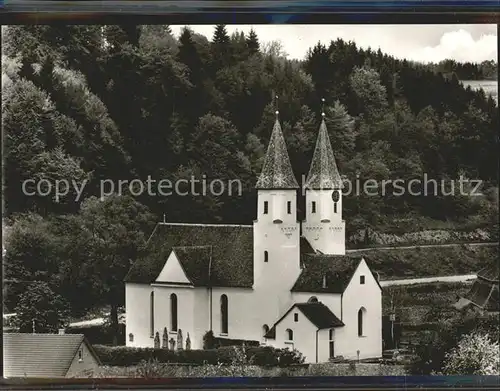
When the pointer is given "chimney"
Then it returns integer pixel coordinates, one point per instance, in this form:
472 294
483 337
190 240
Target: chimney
62 331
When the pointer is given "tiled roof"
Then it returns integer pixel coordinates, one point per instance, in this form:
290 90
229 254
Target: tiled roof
231 250
277 171
326 273
493 303
323 173
196 263
491 272
320 315
479 293
40 355
317 313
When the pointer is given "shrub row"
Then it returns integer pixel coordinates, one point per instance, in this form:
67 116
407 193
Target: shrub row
262 356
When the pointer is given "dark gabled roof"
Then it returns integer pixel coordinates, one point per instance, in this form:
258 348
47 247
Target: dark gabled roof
335 270
231 263
305 246
277 170
195 261
41 355
323 173
479 293
493 303
491 272
317 313
320 315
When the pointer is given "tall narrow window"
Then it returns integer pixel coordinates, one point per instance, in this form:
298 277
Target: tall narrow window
361 280
331 344
361 314
289 335
152 315
173 311
223 315
313 207
266 256
266 207
334 207
289 207
295 317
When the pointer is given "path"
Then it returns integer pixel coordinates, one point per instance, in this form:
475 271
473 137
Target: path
421 246
427 280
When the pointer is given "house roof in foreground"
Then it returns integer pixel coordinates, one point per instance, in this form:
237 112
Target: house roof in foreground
317 313
41 355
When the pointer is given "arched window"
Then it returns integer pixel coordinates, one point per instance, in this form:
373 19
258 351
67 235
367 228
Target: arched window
131 337
266 256
223 315
152 314
289 335
265 329
173 311
361 315
312 299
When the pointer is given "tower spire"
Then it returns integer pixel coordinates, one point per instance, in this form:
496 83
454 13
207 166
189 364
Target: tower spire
277 171
323 173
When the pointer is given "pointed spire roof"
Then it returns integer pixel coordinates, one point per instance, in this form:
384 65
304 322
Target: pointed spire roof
277 171
323 173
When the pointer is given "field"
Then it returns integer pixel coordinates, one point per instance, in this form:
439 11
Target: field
490 87
429 261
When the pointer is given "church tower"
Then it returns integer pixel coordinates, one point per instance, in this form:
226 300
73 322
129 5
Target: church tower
323 226
276 229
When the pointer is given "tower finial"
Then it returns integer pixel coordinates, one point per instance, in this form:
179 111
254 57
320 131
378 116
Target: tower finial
323 107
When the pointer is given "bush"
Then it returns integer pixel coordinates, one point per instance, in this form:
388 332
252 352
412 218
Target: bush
476 354
99 335
260 356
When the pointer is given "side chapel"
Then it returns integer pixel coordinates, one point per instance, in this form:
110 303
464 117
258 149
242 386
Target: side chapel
279 281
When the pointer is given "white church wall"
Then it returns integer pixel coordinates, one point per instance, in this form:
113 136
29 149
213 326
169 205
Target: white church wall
304 335
324 345
324 229
185 310
244 314
137 303
276 233
356 296
201 317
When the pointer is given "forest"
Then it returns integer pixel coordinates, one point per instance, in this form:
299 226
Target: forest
87 102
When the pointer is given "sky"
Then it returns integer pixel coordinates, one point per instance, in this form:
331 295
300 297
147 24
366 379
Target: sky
423 43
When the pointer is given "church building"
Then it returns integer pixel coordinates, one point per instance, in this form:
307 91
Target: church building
282 282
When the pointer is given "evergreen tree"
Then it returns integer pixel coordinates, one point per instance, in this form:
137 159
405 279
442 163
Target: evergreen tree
220 48
252 42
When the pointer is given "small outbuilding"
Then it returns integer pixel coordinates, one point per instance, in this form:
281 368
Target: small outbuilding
47 355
